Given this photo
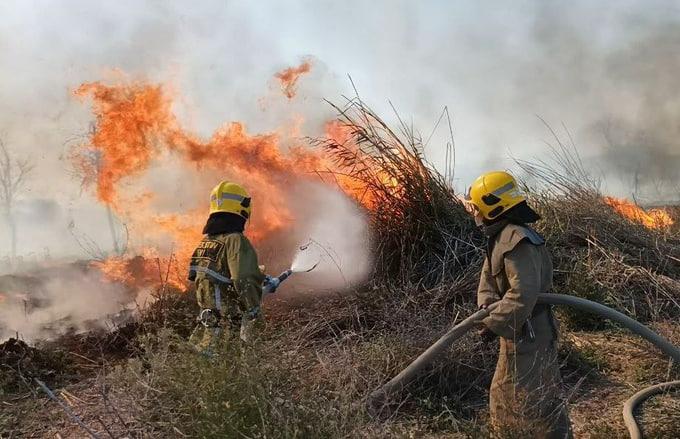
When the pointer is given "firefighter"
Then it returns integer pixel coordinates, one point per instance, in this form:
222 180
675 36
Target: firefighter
225 271
524 398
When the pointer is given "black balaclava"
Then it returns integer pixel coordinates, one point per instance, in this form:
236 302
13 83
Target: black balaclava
224 222
520 215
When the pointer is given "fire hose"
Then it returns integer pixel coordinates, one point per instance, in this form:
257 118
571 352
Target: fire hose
381 396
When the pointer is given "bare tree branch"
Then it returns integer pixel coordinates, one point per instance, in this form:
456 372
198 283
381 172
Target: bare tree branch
13 175
86 165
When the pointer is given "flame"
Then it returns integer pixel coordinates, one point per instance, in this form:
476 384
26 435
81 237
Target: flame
288 78
146 270
127 118
652 218
136 132
137 136
343 134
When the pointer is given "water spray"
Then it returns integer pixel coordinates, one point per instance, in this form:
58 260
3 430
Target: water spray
272 283
323 253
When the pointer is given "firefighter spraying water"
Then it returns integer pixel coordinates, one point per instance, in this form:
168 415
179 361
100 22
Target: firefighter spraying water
225 271
224 267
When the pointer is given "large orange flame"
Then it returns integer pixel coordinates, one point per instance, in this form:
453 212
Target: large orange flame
652 218
137 131
136 134
288 78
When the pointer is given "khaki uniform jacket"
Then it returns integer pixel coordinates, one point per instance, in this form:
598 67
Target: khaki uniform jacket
227 263
517 269
525 398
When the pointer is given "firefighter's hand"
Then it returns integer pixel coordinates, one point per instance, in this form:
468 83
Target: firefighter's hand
486 335
271 284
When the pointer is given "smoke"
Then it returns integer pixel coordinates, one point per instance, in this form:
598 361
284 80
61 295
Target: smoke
617 85
72 300
331 234
606 71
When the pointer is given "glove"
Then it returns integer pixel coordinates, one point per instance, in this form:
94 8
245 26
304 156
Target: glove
271 284
486 335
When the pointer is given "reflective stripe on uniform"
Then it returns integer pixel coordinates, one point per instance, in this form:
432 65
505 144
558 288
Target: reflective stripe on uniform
212 273
218 298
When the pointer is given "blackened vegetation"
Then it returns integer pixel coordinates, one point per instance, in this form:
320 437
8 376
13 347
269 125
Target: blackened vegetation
20 363
73 356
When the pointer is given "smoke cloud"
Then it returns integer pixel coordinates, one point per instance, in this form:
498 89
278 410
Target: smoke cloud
606 71
621 79
73 300
332 234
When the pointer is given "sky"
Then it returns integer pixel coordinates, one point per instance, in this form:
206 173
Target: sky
606 71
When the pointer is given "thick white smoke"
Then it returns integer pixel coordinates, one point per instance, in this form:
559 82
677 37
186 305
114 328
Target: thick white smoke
333 236
606 70
72 299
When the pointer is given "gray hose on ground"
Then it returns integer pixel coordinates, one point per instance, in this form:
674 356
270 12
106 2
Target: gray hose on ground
637 399
593 307
380 397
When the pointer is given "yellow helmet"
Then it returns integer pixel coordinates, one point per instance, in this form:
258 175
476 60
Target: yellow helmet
494 193
231 198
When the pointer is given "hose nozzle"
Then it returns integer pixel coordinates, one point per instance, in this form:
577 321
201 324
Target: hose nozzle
272 283
283 276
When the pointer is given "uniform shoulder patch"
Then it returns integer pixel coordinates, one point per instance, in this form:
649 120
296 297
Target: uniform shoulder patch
207 251
509 238
514 234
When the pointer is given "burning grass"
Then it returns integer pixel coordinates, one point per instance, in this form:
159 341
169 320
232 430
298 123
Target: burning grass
600 251
311 368
421 232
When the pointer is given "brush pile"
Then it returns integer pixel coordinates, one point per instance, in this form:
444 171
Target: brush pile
21 363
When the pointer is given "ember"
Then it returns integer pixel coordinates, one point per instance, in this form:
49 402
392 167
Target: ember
288 78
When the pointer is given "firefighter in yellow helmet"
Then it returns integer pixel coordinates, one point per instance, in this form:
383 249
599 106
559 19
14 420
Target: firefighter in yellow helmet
524 399
225 271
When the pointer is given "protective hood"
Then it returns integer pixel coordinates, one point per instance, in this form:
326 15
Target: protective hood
223 222
520 215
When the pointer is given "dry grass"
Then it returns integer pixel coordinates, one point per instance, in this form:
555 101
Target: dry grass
421 232
599 254
309 372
